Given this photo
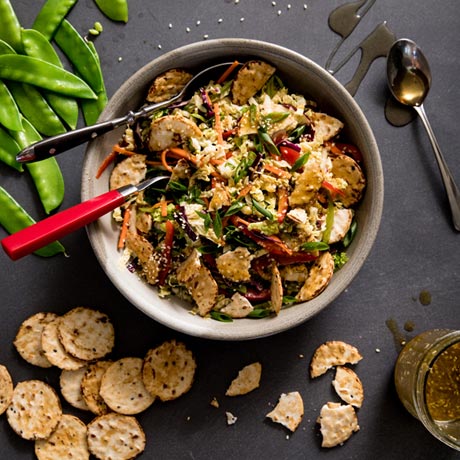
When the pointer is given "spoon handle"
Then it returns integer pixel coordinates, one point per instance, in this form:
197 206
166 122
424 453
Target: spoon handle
453 193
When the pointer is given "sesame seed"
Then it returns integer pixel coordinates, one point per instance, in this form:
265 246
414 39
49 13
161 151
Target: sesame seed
198 22
187 29
237 1
241 19
120 59
273 3
205 36
159 47
289 6
278 12
305 6
170 25
377 350
219 21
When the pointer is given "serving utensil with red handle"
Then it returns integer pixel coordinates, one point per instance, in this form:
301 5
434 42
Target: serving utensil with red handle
52 228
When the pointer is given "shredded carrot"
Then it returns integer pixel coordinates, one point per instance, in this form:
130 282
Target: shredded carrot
182 153
164 208
283 204
124 228
333 148
218 124
123 151
244 191
109 159
215 161
164 160
227 72
277 171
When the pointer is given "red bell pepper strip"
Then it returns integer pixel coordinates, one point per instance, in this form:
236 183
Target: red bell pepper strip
331 188
167 250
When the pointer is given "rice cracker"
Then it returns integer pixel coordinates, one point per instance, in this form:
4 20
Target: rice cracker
330 354
68 440
86 333
338 422
34 411
6 389
247 380
54 351
289 410
70 382
122 387
91 384
28 340
115 437
169 370
348 386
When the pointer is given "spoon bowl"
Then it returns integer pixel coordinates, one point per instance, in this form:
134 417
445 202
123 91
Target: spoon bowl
409 80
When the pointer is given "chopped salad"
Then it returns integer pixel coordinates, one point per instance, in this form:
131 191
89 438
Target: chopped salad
259 208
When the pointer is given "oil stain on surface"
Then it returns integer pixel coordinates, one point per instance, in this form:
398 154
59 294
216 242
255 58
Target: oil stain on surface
343 20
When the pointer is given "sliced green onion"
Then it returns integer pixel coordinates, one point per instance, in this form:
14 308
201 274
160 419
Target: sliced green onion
217 225
265 212
222 317
350 234
300 162
276 117
258 313
329 221
314 246
234 208
268 143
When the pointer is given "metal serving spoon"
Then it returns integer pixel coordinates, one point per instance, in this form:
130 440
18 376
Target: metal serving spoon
52 228
409 79
57 144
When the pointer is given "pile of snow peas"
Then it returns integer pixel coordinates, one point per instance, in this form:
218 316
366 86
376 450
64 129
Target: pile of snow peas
39 97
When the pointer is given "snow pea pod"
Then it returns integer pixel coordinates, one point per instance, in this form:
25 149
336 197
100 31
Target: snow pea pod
9 148
35 108
51 15
40 73
92 108
13 218
10 29
9 113
36 45
79 54
117 10
46 174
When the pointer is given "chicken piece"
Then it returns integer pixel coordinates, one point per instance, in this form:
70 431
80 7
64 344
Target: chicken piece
234 265
146 254
249 80
171 131
294 273
131 170
342 222
199 282
167 85
344 167
320 274
308 183
144 221
187 269
239 307
325 127
276 290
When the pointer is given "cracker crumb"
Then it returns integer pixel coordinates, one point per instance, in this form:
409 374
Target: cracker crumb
214 402
231 419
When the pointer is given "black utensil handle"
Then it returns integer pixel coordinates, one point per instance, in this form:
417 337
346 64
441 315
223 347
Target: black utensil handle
54 145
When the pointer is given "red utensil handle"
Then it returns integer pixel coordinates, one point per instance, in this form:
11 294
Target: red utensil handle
52 228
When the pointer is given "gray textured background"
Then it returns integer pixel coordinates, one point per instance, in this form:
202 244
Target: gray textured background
416 248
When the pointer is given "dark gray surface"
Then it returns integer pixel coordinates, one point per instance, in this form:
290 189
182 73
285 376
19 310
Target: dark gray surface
416 248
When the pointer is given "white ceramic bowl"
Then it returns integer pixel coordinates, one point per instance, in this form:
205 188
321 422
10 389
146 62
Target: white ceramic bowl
300 74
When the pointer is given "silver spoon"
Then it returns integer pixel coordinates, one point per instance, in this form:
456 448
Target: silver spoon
57 144
409 79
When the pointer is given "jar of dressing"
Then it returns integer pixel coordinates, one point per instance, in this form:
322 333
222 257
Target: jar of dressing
427 379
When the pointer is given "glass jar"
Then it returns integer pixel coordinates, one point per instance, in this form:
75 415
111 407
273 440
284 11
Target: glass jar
427 379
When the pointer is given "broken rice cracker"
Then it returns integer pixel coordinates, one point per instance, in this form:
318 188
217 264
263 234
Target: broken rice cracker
68 440
338 422
330 354
348 386
248 379
289 410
